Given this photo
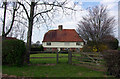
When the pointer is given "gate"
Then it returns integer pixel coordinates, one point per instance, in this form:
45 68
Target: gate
87 58
48 58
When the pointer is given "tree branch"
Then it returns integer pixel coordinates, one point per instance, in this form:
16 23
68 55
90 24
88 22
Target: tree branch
13 17
27 2
57 5
43 12
24 9
21 23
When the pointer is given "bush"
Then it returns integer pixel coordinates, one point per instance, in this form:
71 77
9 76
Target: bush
95 47
111 42
35 45
37 48
87 48
13 52
108 42
102 47
112 59
118 48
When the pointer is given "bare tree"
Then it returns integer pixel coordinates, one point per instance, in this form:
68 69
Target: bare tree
4 34
18 31
96 24
12 26
40 11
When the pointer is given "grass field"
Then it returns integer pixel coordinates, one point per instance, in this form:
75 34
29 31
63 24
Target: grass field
48 60
58 70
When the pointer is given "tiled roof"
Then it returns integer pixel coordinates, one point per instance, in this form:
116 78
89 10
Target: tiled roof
64 35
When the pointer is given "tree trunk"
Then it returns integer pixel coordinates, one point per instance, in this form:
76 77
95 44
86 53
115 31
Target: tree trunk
29 35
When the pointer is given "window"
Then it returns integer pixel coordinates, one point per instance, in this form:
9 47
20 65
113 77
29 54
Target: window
78 43
67 44
48 43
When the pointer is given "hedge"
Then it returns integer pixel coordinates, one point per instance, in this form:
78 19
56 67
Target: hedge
36 47
13 52
112 62
92 46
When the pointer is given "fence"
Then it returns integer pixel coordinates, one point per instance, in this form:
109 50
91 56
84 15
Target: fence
54 57
89 58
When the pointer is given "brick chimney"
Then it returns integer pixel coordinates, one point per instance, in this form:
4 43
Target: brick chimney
60 27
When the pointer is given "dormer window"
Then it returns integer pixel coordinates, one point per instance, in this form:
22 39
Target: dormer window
49 43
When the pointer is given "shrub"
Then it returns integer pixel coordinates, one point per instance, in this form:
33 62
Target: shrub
114 44
112 59
111 42
37 48
118 48
95 47
35 45
102 47
13 52
108 42
87 48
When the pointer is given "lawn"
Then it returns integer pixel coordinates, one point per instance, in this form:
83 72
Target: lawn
48 60
59 70
62 69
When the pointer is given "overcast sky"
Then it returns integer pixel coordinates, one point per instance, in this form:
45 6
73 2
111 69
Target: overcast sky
70 22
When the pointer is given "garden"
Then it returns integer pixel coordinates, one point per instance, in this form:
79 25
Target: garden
99 56
47 67
71 64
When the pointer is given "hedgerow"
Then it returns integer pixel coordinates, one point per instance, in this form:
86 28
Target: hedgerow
13 52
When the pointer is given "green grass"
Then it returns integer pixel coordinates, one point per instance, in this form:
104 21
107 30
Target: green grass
59 70
48 60
47 55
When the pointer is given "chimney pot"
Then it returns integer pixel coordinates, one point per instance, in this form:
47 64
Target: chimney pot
60 27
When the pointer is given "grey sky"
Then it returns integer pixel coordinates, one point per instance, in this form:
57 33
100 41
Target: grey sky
70 22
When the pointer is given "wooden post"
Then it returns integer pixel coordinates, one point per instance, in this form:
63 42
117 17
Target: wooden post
69 57
57 58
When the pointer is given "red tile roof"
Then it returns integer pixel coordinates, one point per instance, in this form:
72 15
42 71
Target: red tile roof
65 35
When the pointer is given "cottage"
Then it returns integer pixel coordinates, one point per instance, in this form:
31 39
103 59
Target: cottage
62 39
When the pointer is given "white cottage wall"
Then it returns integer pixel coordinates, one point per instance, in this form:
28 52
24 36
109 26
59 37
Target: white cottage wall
63 45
